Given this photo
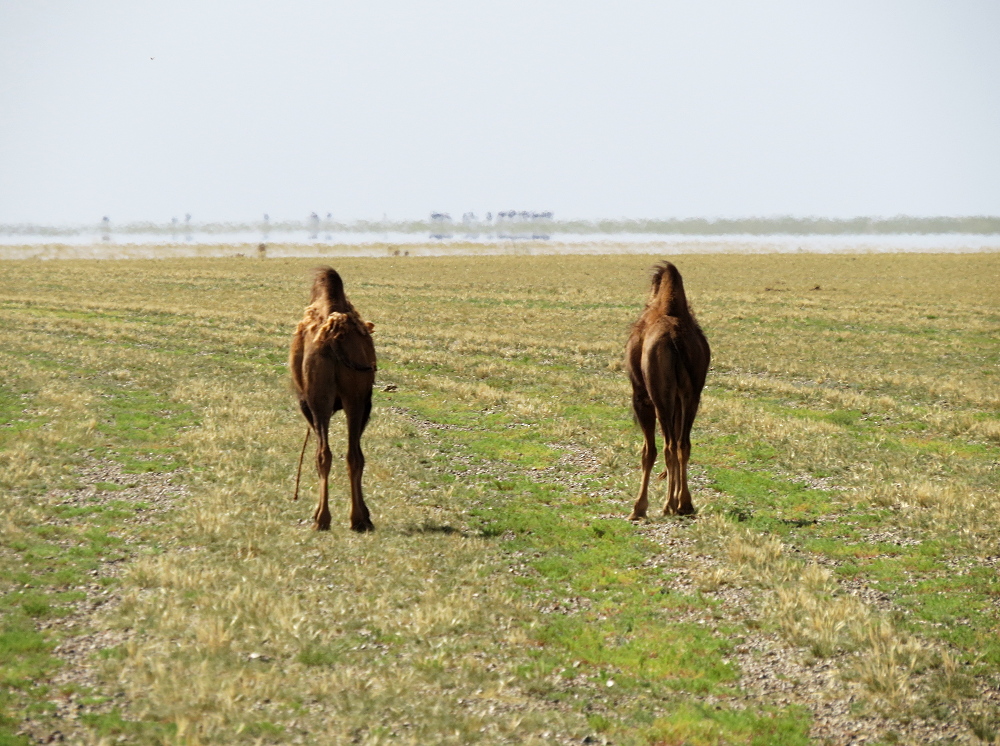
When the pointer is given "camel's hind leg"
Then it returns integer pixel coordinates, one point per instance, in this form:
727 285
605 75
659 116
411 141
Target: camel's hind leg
646 417
670 424
684 504
659 375
357 413
324 459
689 408
670 473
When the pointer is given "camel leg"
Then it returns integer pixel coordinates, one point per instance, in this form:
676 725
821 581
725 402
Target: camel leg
671 455
670 474
684 504
324 459
678 499
659 374
357 418
646 416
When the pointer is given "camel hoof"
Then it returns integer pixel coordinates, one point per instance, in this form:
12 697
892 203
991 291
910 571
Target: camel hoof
637 517
686 510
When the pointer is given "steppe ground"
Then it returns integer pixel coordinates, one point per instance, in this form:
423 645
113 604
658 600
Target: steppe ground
839 584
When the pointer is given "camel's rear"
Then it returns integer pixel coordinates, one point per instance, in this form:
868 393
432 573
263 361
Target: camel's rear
333 364
667 359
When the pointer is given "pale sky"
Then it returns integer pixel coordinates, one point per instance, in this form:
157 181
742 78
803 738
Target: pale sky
146 111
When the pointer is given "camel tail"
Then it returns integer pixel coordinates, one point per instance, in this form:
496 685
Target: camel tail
298 474
329 288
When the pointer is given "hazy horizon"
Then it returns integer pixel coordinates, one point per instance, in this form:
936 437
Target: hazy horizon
637 111
619 222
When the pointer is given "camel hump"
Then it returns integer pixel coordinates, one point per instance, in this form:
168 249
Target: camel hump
328 291
667 290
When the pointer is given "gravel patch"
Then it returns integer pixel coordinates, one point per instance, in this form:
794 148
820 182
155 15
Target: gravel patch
773 672
81 641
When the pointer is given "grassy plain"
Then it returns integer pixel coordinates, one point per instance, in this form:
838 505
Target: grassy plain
844 463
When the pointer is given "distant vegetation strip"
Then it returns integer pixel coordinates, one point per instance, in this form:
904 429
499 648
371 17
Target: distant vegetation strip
978 224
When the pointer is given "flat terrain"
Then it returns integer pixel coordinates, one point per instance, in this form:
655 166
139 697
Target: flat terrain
839 584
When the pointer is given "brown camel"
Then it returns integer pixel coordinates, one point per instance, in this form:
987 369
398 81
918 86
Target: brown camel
667 360
332 361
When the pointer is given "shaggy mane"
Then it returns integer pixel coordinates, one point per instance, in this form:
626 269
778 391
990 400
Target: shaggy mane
326 328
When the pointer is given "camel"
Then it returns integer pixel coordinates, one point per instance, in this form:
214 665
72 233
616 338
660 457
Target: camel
667 359
332 361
